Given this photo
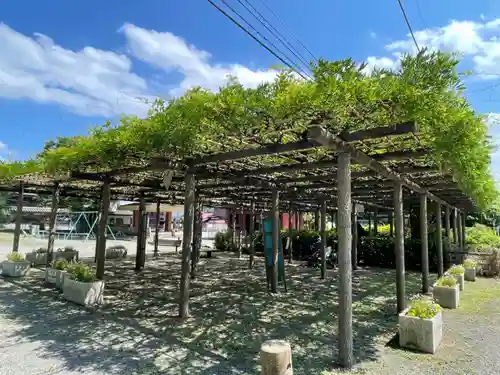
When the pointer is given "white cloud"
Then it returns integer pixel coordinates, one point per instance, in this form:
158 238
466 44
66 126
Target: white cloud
478 41
96 82
380 63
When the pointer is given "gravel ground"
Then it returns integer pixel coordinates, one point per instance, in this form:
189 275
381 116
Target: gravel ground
231 315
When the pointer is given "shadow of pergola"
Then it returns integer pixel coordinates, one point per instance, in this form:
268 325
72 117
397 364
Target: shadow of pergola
231 314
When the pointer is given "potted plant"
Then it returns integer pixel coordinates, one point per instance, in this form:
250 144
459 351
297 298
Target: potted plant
458 273
421 326
15 265
56 274
37 257
446 292
68 253
81 286
470 270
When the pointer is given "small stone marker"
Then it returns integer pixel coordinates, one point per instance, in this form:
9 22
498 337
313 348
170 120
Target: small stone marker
276 358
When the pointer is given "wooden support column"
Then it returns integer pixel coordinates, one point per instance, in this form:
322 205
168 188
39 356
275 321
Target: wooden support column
455 227
459 229
399 246
323 238
157 227
52 223
290 231
391 223
187 238
369 224
316 220
240 230
354 246
447 235
141 228
464 219
19 218
103 226
275 239
439 240
252 234
197 233
345 266
424 240
375 223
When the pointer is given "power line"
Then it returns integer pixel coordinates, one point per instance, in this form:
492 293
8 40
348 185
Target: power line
289 30
282 59
273 31
408 24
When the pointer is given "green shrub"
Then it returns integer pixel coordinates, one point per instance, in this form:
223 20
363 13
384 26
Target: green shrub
480 236
456 270
15 257
61 264
223 241
447 281
423 308
469 263
81 272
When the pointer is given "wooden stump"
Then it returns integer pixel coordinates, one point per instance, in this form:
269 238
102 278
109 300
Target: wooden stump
276 358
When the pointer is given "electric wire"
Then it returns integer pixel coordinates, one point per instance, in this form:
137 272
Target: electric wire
400 2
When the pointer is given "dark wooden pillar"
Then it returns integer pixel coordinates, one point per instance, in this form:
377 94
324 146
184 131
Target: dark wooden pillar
323 238
197 235
424 240
252 235
316 220
399 246
375 223
157 227
464 219
290 231
439 240
391 223
52 223
459 230
354 246
370 224
275 217
141 235
187 238
103 226
19 218
455 227
447 235
345 266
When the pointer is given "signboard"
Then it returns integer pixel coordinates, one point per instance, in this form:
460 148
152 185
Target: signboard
268 248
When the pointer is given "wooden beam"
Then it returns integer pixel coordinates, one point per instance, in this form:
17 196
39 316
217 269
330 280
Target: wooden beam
328 140
399 246
424 241
344 253
103 225
187 239
380 132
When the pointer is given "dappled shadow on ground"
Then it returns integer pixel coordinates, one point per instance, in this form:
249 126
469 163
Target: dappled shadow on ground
231 314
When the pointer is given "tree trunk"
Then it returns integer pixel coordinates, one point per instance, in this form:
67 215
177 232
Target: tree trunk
197 234
424 240
19 218
323 238
103 225
439 239
52 223
399 246
157 227
275 240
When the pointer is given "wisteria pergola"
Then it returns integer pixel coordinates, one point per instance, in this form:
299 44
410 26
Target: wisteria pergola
312 170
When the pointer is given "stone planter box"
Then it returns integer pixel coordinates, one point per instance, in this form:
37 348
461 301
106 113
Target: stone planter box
70 256
446 297
470 274
15 269
85 294
56 277
460 281
37 259
423 335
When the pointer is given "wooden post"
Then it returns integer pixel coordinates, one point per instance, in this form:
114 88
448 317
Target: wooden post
240 230
103 226
375 223
276 358
391 223
252 235
290 231
455 227
197 235
464 219
52 223
187 239
354 246
19 218
439 239
323 238
275 239
233 228
424 240
157 227
459 229
447 235
140 233
345 271
369 224
399 246
316 220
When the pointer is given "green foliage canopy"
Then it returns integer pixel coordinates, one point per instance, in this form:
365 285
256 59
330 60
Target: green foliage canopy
425 89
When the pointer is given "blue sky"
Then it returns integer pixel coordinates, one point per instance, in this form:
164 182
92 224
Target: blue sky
65 65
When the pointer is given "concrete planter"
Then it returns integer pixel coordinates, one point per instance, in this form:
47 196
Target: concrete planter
446 296
85 294
37 259
70 256
56 277
470 274
460 281
420 334
15 269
